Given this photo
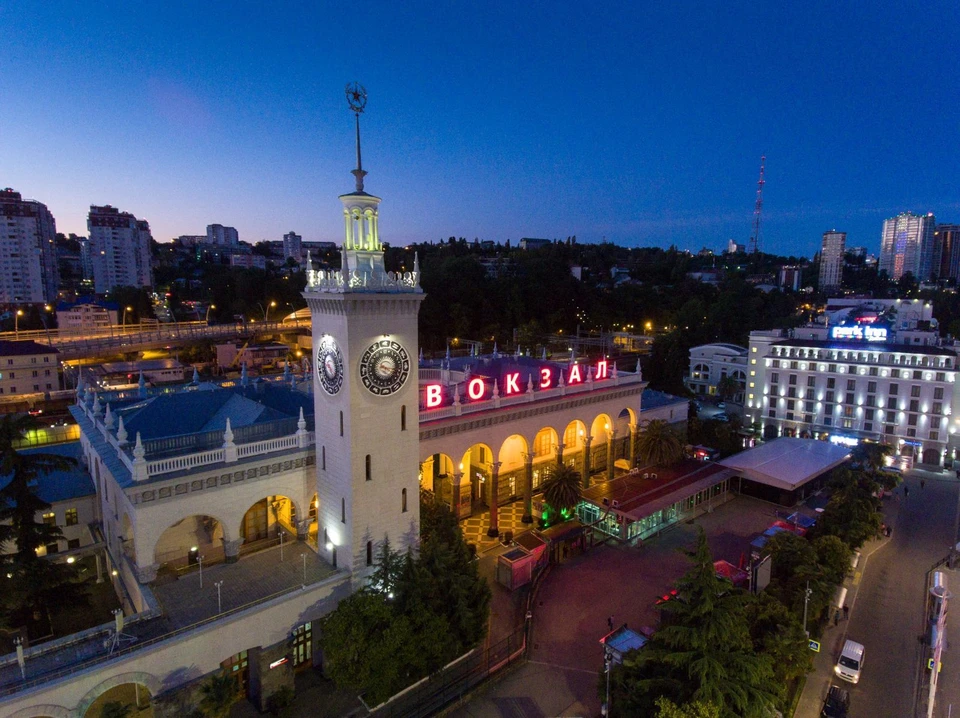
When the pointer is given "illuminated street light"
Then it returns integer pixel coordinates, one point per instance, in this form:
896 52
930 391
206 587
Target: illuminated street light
16 323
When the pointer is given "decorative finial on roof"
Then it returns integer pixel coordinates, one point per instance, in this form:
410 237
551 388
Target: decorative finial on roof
196 376
138 450
108 419
496 354
496 389
227 434
97 408
613 369
420 361
121 432
416 269
286 370
357 100
301 422
244 380
543 354
142 385
448 352
529 383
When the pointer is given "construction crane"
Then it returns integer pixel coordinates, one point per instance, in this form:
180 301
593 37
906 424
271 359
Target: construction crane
755 239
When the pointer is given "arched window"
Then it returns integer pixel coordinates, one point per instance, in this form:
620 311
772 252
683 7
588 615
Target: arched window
403 418
323 458
367 463
343 511
341 423
369 553
403 498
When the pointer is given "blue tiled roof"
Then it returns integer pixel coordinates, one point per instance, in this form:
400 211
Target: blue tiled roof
64 485
651 399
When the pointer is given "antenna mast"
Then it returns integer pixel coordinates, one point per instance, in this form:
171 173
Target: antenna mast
755 239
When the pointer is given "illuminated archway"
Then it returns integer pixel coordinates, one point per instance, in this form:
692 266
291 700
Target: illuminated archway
437 476
134 689
180 544
601 431
263 522
512 458
544 451
477 469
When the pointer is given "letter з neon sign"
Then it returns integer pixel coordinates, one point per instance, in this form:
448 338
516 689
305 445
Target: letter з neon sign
546 378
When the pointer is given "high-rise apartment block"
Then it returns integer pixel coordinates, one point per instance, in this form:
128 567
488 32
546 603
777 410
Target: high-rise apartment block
119 249
222 236
907 246
947 240
831 260
28 251
292 246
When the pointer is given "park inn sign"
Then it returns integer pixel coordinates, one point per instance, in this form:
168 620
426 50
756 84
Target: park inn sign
479 388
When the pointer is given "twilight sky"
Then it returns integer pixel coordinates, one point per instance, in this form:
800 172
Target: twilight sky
644 125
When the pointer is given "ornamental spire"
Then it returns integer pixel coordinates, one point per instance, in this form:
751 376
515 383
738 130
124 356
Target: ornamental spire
357 100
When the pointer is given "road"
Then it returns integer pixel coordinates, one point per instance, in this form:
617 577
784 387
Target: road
886 598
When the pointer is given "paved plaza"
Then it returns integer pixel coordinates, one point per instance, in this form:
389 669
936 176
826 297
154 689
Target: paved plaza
254 578
570 616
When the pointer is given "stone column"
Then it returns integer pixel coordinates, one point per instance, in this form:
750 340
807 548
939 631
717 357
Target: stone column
633 446
494 529
560 454
610 435
455 494
147 574
231 550
587 440
303 529
527 489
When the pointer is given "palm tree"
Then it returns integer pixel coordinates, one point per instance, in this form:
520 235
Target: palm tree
218 693
562 488
659 444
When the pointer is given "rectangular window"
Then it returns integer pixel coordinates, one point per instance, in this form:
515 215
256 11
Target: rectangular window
789 416
72 544
811 381
775 377
868 414
941 376
829 397
873 371
918 375
772 413
867 426
894 388
832 368
911 432
911 420
50 519
851 384
831 383
827 420
934 435
70 517
895 373
367 467
793 380
914 390
53 548
937 407
871 387
938 393
848 399
888 429
807 418
808 406
914 405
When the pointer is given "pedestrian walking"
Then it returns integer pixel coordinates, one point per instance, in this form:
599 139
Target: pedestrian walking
610 623
922 483
906 491
836 617
846 612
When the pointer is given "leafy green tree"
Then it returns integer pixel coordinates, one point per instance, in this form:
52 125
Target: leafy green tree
115 709
871 455
36 583
218 694
666 708
777 632
389 564
853 512
702 651
728 388
659 444
562 488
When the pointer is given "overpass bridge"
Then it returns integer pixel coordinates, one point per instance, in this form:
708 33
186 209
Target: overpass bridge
137 337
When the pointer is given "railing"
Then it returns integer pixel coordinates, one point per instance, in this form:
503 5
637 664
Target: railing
179 463
268 445
139 645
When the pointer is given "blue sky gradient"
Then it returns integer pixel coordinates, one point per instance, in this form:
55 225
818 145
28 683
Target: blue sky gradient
641 124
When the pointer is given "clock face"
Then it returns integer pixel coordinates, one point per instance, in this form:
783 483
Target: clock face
329 365
384 367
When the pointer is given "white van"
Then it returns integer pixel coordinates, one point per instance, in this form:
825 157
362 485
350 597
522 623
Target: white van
851 661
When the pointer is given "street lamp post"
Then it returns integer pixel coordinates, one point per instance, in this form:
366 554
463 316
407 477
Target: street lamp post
16 323
123 322
806 599
266 312
200 563
303 558
207 319
281 545
607 667
218 584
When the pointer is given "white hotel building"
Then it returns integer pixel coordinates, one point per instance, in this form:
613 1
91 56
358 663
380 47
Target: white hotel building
874 370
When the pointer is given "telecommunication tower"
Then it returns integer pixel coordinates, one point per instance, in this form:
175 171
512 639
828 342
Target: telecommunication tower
755 239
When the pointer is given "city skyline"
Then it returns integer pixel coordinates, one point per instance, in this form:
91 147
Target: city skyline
645 132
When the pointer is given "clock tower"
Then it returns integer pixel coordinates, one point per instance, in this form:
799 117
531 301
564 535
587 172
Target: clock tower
365 389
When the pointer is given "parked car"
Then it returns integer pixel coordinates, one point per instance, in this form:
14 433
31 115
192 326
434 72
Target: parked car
721 417
721 405
851 662
837 703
